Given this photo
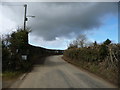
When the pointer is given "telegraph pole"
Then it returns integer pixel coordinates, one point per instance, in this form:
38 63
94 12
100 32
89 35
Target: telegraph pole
25 18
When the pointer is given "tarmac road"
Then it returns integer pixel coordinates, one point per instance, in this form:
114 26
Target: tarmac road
57 73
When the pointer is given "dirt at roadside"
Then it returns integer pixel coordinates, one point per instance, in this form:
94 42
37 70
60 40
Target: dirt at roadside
6 83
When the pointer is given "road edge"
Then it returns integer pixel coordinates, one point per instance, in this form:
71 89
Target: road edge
89 72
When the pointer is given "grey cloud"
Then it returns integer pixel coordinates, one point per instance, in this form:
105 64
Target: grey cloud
62 19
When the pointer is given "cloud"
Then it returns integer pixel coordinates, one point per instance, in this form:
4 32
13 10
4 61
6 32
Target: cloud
59 43
63 19
55 20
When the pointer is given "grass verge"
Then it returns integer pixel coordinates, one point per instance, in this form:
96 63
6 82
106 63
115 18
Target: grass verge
7 75
9 78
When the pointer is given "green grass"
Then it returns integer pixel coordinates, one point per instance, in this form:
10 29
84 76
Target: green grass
11 75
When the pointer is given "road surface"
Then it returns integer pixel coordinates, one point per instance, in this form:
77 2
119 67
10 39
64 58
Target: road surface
57 73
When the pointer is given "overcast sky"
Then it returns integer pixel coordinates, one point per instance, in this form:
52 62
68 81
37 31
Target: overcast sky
56 24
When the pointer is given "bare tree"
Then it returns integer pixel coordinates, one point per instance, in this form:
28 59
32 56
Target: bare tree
73 44
81 40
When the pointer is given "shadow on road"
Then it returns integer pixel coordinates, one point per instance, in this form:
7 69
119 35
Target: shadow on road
39 61
47 61
51 63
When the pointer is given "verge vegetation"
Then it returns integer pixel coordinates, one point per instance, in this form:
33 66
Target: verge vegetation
18 56
101 59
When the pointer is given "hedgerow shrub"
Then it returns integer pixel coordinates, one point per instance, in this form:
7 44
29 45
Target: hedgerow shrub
102 59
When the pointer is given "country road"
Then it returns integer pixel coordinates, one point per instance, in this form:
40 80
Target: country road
57 73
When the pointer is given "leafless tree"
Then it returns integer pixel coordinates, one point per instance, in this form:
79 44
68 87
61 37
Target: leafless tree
81 40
